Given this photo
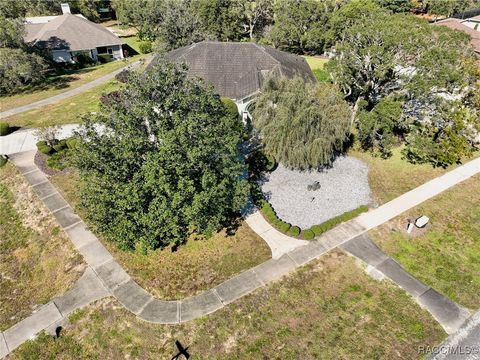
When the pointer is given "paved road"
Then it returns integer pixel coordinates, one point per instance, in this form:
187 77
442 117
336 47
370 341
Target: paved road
463 345
66 94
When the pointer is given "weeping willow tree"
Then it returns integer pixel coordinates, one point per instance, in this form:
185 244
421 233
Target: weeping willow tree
301 123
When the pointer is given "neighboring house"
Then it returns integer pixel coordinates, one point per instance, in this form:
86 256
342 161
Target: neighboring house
237 70
464 26
68 35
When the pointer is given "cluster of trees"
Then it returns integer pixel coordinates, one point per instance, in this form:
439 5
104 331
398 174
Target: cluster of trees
299 26
20 64
409 82
166 162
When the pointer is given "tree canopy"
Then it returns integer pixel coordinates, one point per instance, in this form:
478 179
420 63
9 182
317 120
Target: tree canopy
425 68
302 124
161 160
19 64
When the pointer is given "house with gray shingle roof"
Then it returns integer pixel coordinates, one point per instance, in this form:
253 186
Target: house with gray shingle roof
67 35
237 69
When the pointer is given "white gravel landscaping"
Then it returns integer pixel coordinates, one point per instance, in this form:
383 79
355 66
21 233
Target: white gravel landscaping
343 187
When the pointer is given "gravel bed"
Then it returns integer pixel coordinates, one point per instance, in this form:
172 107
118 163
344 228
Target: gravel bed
343 187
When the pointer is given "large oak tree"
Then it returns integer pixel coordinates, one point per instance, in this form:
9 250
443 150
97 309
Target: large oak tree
161 160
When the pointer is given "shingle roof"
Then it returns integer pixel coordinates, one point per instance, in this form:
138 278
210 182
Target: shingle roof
70 32
237 70
456 24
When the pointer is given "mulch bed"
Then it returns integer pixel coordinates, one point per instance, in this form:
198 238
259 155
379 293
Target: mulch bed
41 161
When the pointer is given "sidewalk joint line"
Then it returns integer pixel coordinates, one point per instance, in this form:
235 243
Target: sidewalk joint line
214 290
60 209
145 305
31 171
49 195
40 183
71 226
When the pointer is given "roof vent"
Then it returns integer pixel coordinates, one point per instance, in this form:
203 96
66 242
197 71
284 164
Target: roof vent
65 8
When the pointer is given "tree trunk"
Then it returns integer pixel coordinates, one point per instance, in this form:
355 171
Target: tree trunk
355 110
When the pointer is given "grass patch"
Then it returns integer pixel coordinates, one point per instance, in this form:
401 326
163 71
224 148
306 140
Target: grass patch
326 310
196 266
37 260
390 178
318 68
68 111
446 255
132 42
55 85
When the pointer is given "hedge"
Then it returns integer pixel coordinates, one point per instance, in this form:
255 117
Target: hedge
294 231
62 144
4 128
3 160
329 224
308 234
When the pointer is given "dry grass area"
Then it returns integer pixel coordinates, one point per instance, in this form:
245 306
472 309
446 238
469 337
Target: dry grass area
196 266
390 178
446 254
37 262
329 309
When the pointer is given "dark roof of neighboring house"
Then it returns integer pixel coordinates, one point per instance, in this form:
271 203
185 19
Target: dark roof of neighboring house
237 70
456 24
70 32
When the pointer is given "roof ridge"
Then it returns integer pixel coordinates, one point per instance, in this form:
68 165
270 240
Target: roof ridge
266 52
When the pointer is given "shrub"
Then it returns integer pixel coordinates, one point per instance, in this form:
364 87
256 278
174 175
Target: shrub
283 226
231 107
308 234
4 128
271 163
145 47
104 58
327 225
3 160
122 76
62 144
57 160
72 143
44 148
294 231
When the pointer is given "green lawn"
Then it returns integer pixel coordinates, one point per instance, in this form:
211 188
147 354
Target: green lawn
68 111
446 255
196 266
37 262
389 178
132 41
317 65
59 84
327 310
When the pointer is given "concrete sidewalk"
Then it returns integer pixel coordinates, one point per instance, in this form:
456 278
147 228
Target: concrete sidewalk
108 277
448 313
25 140
65 95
